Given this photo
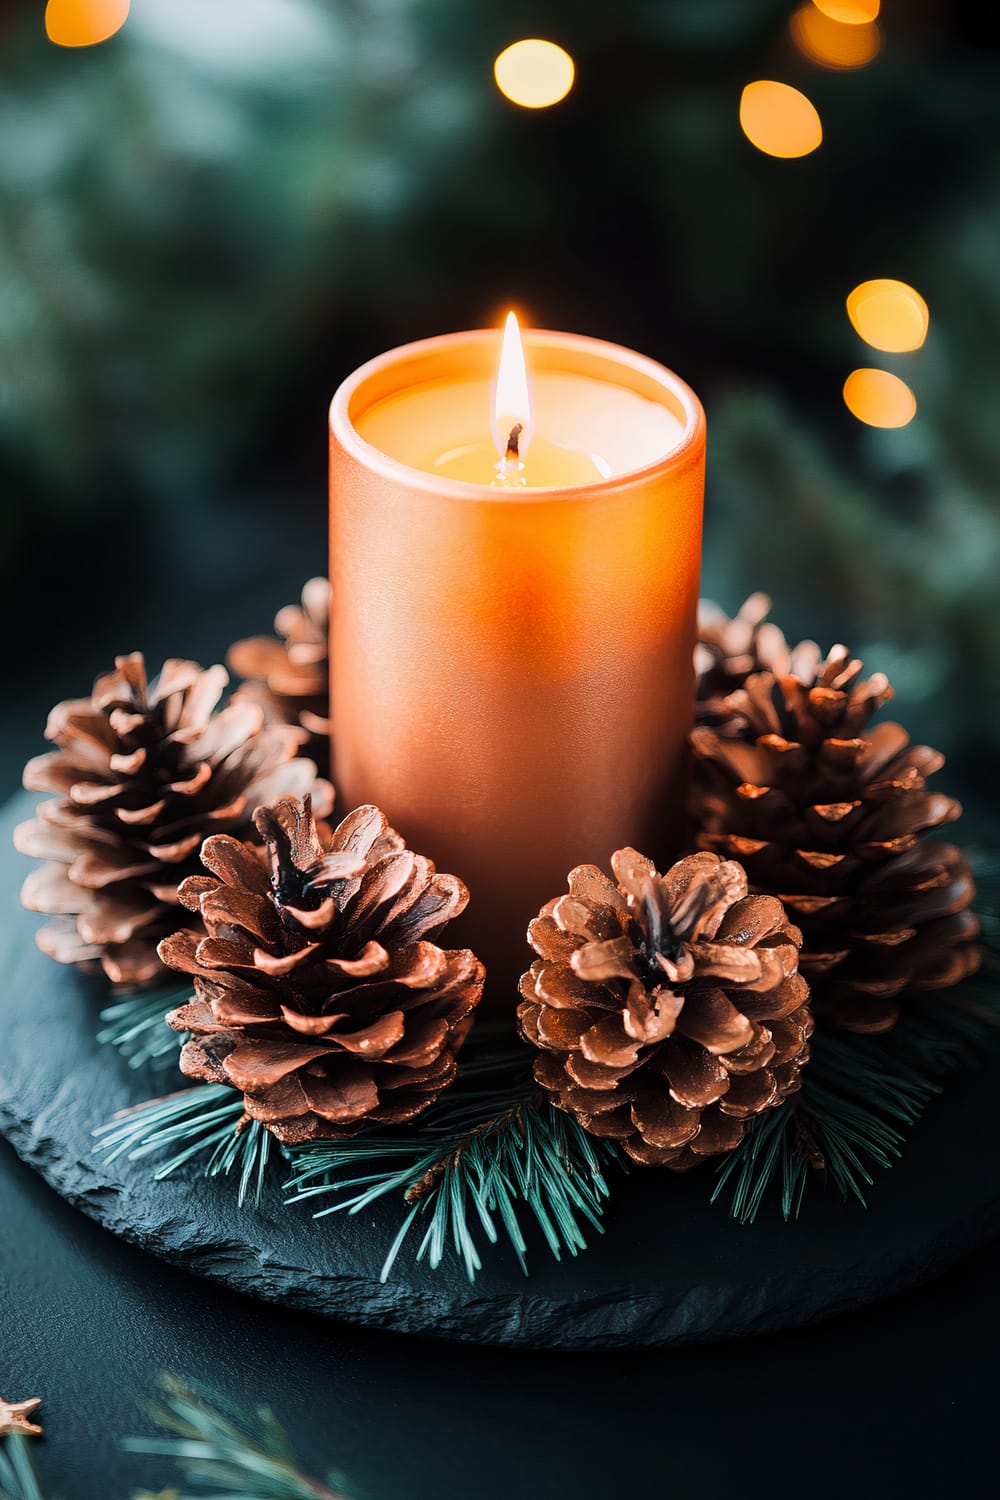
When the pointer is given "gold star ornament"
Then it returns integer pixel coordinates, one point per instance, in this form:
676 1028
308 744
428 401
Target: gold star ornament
14 1417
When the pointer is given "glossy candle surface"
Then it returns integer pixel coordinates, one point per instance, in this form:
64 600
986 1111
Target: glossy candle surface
512 667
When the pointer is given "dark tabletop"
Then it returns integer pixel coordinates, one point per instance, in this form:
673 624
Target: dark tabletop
897 1400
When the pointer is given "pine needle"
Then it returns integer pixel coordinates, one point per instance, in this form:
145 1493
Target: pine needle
860 1095
224 1452
478 1164
207 1122
136 1026
472 1172
18 1480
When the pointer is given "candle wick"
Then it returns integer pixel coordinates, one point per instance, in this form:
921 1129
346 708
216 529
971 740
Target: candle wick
514 439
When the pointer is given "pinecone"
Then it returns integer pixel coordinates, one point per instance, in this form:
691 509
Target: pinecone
668 1009
289 678
728 650
830 816
143 774
319 991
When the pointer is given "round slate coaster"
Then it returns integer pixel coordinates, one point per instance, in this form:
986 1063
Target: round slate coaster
670 1268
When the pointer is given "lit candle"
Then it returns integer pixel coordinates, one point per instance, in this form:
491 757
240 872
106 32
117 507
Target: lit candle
577 428
512 427
515 577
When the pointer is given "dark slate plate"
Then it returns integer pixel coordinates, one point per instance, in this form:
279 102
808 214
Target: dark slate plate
670 1268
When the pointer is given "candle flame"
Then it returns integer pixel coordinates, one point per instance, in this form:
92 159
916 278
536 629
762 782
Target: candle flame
512 402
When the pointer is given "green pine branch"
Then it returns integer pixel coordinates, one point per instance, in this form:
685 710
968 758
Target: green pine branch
473 1172
860 1096
136 1028
208 1123
224 1452
218 1449
18 1480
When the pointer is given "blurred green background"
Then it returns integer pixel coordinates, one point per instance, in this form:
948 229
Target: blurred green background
212 217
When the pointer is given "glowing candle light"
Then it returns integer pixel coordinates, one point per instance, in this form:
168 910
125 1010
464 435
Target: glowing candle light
534 73
579 429
779 120
512 662
879 398
511 407
83 23
889 315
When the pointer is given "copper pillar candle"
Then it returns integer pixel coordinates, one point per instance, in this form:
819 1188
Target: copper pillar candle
512 668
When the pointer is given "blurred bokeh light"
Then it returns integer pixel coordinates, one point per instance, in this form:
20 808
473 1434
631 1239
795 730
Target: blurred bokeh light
833 44
534 73
779 120
82 23
850 12
889 315
212 218
879 398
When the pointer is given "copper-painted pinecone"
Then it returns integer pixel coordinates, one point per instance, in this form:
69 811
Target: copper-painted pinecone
668 1009
728 651
831 816
320 991
289 677
143 773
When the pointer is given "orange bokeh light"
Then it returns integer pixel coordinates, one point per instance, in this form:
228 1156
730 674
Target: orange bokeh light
879 399
889 315
831 43
534 73
778 120
82 23
849 12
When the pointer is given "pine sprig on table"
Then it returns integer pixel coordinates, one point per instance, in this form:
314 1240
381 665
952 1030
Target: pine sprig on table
18 1480
485 1166
488 1156
224 1452
207 1122
860 1095
480 1160
219 1450
136 1026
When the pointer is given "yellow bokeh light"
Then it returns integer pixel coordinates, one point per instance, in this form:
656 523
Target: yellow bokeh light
778 120
850 12
879 399
831 43
889 315
82 23
534 73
